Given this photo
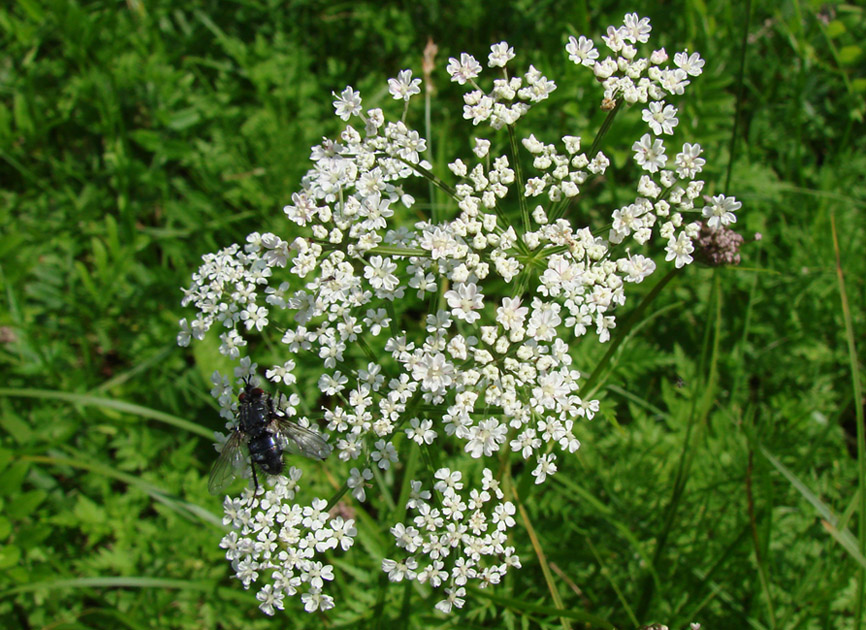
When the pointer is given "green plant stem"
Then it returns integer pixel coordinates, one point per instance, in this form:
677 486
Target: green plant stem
428 129
624 328
602 131
563 207
429 176
753 526
339 495
616 589
697 417
391 250
515 158
542 559
858 414
740 85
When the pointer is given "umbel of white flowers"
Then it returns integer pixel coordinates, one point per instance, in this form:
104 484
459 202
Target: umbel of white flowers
511 285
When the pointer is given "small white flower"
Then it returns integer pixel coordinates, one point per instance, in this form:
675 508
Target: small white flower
454 600
421 431
357 482
348 103
316 600
679 250
636 29
660 117
649 153
404 86
689 163
500 54
466 69
692 64
721 211
384 455
544 468
270 599
581 51
465 301
482 147
398 571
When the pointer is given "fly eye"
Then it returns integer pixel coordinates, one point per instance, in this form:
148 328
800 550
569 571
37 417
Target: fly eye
258 392
242 396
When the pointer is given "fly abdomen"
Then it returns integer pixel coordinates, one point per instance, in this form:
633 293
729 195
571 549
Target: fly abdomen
266 453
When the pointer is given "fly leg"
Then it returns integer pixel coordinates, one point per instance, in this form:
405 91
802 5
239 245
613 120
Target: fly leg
277 406
255 478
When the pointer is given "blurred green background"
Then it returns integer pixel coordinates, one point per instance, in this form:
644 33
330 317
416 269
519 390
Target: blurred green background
720 483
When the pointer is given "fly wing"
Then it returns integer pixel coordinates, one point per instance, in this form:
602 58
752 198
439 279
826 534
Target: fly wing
229 460
302 441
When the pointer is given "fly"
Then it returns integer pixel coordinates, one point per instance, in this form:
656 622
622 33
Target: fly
266 433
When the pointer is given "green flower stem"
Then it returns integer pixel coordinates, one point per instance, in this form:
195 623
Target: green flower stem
624 329
339 495
756 541
602 131
383 489
367 350
406 487
428 128
428 175
524 209
565 205
390 250
606 572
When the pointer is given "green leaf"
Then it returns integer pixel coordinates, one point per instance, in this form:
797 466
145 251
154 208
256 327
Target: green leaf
16 427
12 477
183 119
835 28
21 112
25 504
9 556
186 509
32 9
848 55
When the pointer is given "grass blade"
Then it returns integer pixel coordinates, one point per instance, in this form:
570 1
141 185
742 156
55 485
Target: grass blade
858 411
188 510
542 559
108 403
842 535
524 606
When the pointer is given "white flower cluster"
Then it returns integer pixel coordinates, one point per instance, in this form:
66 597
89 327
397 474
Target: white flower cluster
273 536
461 537
632 79
457 327
509 99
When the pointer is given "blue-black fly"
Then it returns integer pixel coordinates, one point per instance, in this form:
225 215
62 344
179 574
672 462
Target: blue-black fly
267 433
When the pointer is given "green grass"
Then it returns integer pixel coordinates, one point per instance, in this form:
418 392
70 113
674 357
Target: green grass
724 480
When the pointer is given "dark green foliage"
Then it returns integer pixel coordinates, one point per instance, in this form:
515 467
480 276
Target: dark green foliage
136 136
